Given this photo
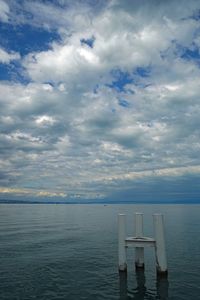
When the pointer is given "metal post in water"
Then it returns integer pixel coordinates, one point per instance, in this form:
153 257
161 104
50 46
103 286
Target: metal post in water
121 242
139 251
161 259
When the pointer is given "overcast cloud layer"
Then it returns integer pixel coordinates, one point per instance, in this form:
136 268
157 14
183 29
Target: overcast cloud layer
100 100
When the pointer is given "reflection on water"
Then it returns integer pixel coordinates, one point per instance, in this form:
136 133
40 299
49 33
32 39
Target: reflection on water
162 286
141 292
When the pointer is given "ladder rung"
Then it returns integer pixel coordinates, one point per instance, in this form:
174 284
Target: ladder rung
140 241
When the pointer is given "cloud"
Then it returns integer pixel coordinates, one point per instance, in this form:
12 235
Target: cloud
4 11
96 119
63 16
6 57
31 193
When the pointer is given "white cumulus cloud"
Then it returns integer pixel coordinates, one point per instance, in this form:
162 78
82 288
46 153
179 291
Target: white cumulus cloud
6 57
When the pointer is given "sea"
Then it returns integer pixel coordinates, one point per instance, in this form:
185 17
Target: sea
70 251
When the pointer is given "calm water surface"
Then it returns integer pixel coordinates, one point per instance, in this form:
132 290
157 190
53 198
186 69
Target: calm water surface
70 252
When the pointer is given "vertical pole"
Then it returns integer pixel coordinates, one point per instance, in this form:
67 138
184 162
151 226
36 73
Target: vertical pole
122 243
161 259
139 251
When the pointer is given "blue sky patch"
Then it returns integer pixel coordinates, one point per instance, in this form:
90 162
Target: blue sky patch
89 42
179 50
25 38
121 79
13 72
191 54
4 72
143 71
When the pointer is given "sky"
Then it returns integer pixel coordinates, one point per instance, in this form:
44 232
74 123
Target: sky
99 100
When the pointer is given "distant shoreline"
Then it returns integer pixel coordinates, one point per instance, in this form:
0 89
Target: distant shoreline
98 202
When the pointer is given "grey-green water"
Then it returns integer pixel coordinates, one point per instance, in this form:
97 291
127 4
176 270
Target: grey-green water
70 252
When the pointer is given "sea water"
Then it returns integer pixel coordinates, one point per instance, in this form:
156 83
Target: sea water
70 252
